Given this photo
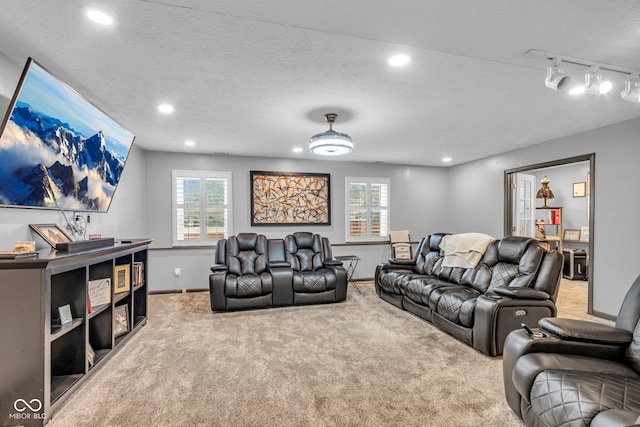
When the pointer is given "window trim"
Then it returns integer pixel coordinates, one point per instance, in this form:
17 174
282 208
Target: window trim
202 175
368 181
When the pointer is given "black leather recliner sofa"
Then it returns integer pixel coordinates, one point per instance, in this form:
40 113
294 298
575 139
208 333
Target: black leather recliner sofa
575 372
515 281
251 271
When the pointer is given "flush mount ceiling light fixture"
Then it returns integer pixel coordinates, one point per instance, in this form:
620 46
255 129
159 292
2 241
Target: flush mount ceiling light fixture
631 90
556 79
330 143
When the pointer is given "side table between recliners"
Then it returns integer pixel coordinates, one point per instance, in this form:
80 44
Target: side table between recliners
351 268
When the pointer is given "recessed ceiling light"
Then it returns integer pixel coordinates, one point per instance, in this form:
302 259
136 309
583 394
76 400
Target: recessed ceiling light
446 159
189 143
399 60
99 17
297 150
166 108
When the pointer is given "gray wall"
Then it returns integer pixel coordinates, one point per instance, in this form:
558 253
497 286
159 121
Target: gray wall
126 217
477 200
413 192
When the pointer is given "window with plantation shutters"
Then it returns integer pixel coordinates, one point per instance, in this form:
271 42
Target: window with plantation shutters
201 207
367 209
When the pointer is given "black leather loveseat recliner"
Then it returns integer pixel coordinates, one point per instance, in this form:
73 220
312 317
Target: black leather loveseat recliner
251 271
575 372
515 281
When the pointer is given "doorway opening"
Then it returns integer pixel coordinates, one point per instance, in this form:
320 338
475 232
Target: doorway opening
553 202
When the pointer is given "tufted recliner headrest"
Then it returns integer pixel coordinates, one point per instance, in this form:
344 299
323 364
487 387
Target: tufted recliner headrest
434 241
629 320
247 241
305 240
247 253
511 248
512 261
629 313
305 251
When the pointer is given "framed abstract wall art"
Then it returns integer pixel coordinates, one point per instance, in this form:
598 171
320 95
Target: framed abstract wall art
290 198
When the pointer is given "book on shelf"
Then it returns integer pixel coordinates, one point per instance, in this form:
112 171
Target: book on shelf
554 216
138 273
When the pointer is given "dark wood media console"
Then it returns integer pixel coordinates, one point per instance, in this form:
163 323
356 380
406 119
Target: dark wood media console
41 361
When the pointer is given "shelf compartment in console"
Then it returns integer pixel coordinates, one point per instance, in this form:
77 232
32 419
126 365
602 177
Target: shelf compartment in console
120 296
59 330
68 360
138 320
99 355
62 383
98 309
138 286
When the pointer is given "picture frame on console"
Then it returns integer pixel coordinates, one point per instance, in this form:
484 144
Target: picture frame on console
121 278
51 233
121 320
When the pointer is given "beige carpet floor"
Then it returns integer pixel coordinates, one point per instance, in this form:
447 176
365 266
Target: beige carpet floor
358 363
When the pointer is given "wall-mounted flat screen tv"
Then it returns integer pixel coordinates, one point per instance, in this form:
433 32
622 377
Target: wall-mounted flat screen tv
57 149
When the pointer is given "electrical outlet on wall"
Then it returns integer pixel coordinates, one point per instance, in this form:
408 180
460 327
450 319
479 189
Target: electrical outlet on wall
177 272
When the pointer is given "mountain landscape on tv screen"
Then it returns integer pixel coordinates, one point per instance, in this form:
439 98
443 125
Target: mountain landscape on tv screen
46 163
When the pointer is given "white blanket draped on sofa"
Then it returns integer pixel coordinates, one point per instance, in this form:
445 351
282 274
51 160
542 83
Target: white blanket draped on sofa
464 250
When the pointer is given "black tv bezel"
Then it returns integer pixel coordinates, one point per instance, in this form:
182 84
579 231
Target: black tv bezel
12 105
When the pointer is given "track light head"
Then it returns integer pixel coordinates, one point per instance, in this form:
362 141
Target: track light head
556 79
594 84
631 90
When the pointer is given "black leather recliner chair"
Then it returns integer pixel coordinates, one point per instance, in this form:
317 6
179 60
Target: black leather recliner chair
240 277
316 275
575 372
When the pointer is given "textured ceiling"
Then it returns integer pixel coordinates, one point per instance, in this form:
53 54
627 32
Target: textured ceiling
255 77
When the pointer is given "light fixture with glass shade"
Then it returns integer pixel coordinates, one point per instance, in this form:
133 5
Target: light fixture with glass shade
331 143
631 90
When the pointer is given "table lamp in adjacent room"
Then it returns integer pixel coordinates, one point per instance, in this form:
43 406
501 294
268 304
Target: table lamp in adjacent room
545 192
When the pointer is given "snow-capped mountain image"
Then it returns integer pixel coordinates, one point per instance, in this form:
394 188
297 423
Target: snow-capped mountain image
57 150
